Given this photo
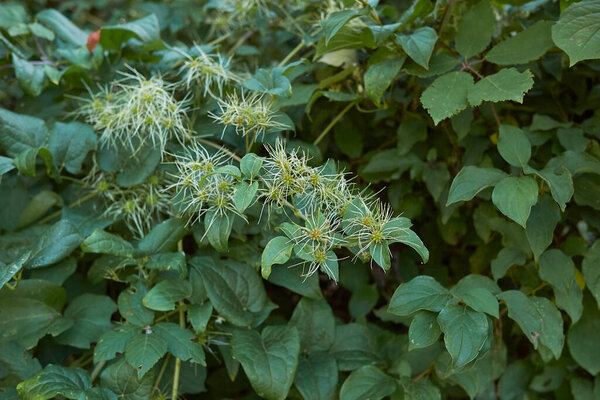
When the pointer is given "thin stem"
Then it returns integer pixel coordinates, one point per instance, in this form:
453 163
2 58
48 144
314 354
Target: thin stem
240 42
219 39
97 370
178 360
222 148
163 368
74 204
423 374
332 123
7 66
292 53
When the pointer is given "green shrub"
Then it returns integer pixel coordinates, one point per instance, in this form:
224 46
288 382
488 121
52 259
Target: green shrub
300 199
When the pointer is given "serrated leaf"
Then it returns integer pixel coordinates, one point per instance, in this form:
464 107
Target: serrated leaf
576 32
419 45
525 46
122 379
20 132
508 84
144 350
558 270
475 29
91 315
55 380
180 342
421 293
7 271
113 341
465 332
269 359
514 197
368 382
472 180
447 95
56 243
163 237
131 308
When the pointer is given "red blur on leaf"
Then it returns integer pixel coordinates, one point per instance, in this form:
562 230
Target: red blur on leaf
93 40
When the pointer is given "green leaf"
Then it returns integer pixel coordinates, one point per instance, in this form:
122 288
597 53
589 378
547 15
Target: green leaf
113 342
39 205
168 262
180 342
481 300
447 95
472 180
552 336
131 308
316 325
560 182
199 315
506 258
591 272
380 252
465 332
475 29
363 300
419 45
56 243
122 379
145 29
244 195
25 321
63 28
316 376
294 280
514 197
409 238
70 143
424 330
277 251
7 271
354 346
269 359
367 382
218 228
20 132
164 295
422 389
163 237
345 38
91 315
380 76
144 350
583 343
421 293
270 82
336 20
514 146
106 243
524 312
412 129
31 78
576 32
251 165
507 84
558 270
524 47
541 224
18 361
235 289
55 380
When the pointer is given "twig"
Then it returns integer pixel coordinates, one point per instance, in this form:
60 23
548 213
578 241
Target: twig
74 204
332 123
291 54
163 368
177 370
97 370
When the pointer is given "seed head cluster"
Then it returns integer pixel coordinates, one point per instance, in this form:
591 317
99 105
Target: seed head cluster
134 111
208 72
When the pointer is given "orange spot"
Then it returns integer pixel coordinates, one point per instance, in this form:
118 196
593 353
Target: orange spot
93 40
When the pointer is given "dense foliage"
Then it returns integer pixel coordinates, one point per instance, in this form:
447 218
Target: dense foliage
300 199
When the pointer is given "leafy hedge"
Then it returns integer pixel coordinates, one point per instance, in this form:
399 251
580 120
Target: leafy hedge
302 199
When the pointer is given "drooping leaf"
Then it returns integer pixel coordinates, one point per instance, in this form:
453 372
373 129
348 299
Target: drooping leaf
507 84
419 45
558 269
590 270
475 29
277 251
421 293
424 330
525 46
379 77
472 180
514 146
269 359
367 382
514 197
180 342
315 323
317 376
582 341
576 32
144 350
55 380
524 312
